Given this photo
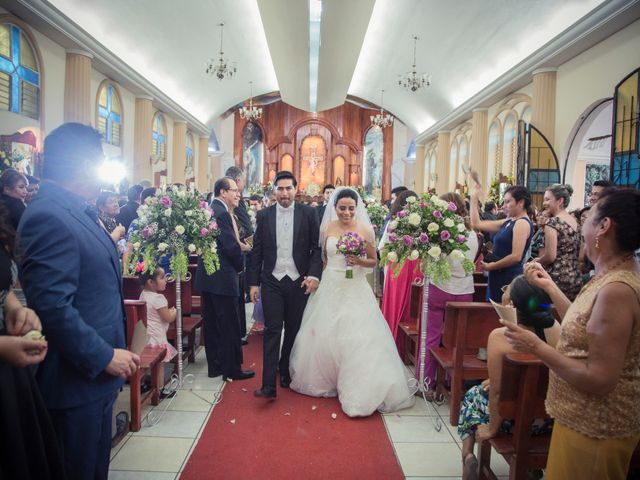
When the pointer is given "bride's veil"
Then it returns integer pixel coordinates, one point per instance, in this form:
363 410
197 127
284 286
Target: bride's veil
362 217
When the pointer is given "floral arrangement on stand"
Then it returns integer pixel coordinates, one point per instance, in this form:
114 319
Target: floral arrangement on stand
255 189
428 229
377 214
351 243
496 189
176 223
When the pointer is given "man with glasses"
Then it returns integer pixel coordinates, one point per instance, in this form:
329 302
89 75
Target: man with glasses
220 291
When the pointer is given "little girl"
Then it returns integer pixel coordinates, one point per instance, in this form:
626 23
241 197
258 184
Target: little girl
159 315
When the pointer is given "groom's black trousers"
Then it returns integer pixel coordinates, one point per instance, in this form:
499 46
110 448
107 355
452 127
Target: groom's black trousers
283 303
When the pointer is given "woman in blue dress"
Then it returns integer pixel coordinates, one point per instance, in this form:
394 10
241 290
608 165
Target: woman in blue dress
511 240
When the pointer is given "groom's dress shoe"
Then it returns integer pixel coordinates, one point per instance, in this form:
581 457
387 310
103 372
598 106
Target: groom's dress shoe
265 392
241 375
285 381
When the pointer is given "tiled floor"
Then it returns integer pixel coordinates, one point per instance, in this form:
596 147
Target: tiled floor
159 452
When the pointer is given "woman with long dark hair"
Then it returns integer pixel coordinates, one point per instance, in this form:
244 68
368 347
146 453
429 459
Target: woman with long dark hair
13 192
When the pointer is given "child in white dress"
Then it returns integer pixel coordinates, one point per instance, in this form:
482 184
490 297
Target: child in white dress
159 315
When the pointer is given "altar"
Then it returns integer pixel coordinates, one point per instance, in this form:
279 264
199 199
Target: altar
338 146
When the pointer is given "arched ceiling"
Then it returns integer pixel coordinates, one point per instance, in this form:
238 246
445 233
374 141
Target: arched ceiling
365 44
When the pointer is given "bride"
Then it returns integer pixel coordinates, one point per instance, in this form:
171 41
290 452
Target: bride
344 346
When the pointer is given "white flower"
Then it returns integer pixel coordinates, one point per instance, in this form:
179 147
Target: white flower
433 227
207 214
192 247
414 218
392 256
181 193
142 209
136 245
434 199
448 223
461 227
188 213
252 213
441 203
179 229
414 255
393 224
214 247
162 246
411 199
435 251
457 255
167 212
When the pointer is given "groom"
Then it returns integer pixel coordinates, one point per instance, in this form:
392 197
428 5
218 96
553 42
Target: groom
285 268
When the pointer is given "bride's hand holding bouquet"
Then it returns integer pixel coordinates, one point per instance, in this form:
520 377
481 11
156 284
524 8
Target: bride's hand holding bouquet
352 246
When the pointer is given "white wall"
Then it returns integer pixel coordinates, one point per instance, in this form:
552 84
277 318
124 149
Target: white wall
593 75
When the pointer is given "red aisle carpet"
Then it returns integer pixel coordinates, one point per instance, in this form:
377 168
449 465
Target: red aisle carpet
250 438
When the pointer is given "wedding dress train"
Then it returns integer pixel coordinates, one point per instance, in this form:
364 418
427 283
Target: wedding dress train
345 348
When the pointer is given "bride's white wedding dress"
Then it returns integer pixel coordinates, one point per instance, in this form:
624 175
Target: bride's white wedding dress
344 346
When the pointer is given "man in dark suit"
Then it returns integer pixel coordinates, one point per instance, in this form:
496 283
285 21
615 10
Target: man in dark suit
246 230
286 264
326 193
129 211
220 290
70 274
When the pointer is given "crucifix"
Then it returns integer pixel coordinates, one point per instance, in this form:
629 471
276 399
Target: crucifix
313 159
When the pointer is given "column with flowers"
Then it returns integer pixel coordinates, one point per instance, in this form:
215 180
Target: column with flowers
428 229
175 223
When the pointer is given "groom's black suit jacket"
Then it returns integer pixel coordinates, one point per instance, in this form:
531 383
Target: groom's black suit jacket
306 251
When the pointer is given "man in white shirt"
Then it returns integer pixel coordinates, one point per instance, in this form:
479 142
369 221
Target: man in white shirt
285 268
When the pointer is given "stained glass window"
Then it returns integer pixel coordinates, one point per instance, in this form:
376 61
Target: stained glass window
109 114
625 161
373 162
542 168
159 139
19 73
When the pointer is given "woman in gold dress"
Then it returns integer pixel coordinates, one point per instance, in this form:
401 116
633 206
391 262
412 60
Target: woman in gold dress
594 381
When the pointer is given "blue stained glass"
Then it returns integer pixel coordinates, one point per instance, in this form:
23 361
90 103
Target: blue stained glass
18 72
109 115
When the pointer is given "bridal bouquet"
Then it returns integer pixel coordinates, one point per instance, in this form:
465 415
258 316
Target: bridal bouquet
351 244
428 229
176 223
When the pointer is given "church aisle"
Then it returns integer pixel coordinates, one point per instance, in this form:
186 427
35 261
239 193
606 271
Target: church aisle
165 450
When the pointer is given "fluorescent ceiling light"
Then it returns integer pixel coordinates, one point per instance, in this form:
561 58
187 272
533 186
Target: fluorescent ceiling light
315 17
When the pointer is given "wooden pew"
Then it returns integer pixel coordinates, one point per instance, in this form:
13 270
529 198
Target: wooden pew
150 362
480 292
467 326
523 390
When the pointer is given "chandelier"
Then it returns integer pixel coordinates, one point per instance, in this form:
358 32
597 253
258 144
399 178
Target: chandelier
220 68
411 80
250 112
381 119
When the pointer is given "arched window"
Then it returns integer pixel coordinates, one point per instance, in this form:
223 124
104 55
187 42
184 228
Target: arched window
109 114
252 154
19 73
509 143
373 162
159 139
188 168
494 154
339 170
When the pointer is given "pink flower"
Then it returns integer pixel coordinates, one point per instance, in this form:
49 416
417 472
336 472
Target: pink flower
145 232
423 205
461 239
165 201
402 214
445 235
452 207
437 214
423 238
203 204
204 232
408 240
213 226
393 237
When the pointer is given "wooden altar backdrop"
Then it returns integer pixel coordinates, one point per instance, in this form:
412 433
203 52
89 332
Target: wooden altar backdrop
319 149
